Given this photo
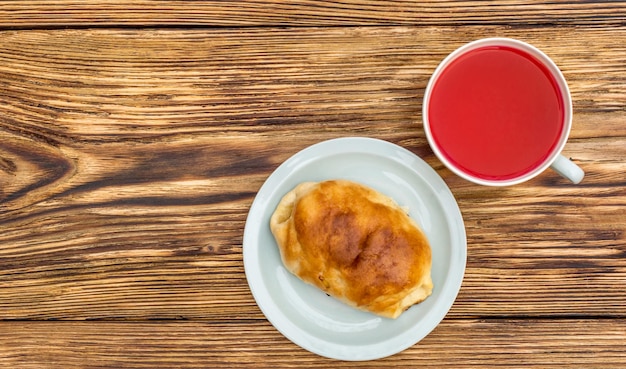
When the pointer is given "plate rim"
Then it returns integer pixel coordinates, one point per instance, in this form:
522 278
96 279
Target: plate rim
345 145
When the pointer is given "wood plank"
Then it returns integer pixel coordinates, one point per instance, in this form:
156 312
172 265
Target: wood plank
129 159
89 13
453 344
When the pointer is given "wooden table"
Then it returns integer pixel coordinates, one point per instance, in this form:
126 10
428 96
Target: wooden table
134 136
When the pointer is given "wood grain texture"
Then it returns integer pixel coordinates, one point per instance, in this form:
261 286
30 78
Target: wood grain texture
47 13
453 344
134 136
129 159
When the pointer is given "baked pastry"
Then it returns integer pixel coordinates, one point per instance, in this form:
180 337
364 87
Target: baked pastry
355 244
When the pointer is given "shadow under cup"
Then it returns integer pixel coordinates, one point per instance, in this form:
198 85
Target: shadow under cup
497 112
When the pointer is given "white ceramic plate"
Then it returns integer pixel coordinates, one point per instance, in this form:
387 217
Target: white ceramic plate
322 324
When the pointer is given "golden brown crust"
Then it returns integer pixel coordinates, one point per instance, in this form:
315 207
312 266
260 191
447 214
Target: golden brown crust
355 244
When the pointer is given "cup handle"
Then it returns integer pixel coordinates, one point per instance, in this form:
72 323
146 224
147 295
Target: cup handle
568 169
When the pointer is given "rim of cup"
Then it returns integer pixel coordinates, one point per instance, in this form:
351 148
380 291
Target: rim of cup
546 61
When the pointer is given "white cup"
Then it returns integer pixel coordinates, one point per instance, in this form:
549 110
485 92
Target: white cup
553 157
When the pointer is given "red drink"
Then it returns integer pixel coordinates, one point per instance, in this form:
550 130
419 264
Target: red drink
496 113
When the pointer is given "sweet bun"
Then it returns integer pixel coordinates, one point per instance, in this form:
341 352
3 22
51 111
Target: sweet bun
355 244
